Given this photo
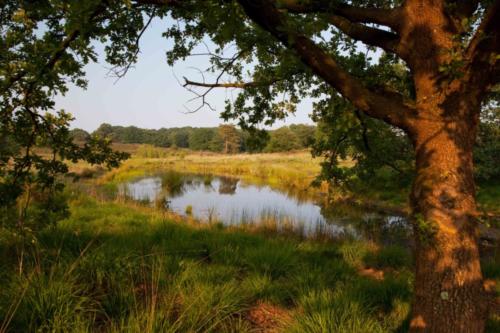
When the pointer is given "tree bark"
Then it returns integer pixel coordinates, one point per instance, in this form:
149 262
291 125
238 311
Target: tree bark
448 294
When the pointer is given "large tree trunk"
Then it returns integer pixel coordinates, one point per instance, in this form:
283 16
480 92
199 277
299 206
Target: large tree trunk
441 121
449 294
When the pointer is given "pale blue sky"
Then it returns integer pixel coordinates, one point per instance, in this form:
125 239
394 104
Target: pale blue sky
149 96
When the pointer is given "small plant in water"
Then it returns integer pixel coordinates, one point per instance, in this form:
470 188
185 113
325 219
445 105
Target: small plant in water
189 210
162 202
207 180
172 182
212 214
145 201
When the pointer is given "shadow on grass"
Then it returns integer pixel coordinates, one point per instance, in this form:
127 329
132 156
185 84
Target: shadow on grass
114 268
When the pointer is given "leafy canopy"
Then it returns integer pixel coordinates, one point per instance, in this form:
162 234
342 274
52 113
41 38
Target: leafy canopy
45 45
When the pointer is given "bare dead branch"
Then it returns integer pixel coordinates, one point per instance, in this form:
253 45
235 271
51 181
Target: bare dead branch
240 85
202 96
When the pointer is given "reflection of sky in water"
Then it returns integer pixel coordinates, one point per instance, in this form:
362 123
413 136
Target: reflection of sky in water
144 189
230 201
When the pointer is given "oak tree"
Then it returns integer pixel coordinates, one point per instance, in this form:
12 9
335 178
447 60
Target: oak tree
439 65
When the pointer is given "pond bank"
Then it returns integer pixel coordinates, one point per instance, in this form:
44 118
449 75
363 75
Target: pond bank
291 173
122 267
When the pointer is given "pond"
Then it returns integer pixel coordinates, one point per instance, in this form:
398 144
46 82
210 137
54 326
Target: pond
231 201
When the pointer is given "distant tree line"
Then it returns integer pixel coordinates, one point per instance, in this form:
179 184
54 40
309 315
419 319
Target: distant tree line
225 138
378 151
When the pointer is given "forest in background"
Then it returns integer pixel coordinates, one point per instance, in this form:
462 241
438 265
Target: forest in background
225 138
373 153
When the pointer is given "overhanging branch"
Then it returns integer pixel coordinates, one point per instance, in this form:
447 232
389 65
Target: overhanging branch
65 44
382 16
484 47
160 2
52 60
240 85
120 72
368 35
391 110
202 96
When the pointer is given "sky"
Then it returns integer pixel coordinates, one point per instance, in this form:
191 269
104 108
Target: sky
150 95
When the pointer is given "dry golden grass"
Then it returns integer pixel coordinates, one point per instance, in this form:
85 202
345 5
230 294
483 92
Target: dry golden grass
293 171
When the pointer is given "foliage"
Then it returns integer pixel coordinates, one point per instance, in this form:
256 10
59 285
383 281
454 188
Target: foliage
305 133
201 139
383 156
254 140
180 138
31 166
230 139
378 149
283 139
79 135
33 69
213 138
487 148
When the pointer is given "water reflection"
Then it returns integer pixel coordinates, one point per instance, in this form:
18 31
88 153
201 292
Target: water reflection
173 183
375 226
228 185
230 201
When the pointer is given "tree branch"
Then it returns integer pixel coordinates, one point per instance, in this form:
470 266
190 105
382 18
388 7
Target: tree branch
56 55
484 47
387 17
210 86
240 85
160 2
460 10
10 81
368 35
120 72
393 111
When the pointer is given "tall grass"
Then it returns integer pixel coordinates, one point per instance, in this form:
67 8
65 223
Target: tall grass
293 172
122 267
113 267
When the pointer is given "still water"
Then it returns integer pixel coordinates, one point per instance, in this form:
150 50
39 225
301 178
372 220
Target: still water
232 201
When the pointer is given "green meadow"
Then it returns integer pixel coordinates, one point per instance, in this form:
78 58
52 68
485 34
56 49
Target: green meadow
116 268
120 266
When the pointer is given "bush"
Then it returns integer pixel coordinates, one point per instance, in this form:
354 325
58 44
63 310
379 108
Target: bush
149 151
390 256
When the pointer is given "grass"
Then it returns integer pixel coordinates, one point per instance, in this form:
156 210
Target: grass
291 172
118 268
489 197
123 267
114 267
